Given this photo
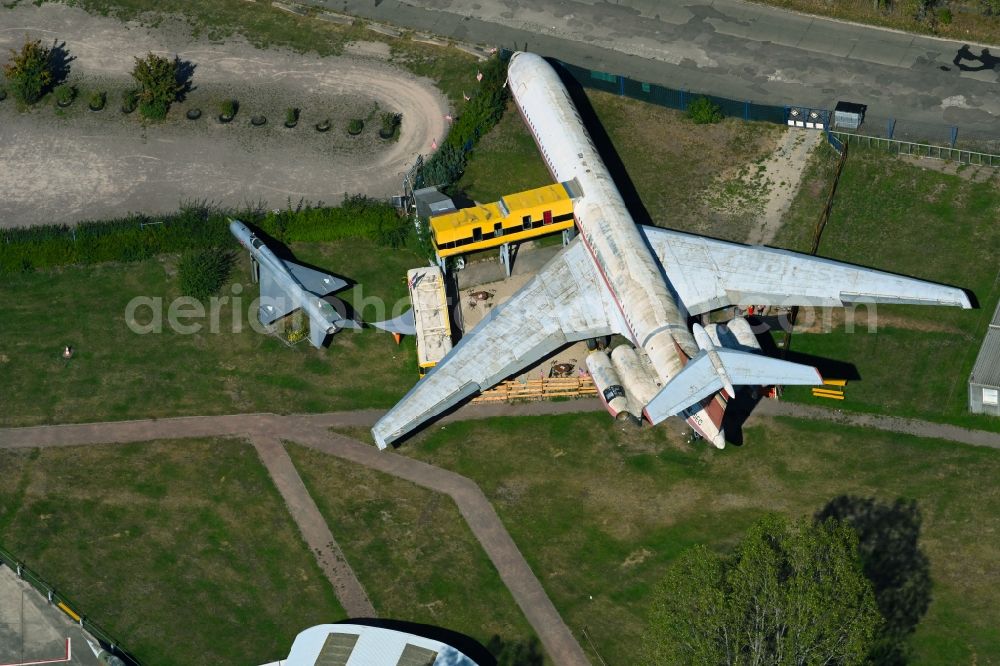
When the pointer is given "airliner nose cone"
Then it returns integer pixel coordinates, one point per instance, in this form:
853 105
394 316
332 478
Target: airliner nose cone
719 441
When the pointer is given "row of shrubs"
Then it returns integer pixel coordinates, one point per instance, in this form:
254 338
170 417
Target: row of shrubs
477 117
139 237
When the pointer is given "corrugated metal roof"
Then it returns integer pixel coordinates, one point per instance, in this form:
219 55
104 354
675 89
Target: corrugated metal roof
986 371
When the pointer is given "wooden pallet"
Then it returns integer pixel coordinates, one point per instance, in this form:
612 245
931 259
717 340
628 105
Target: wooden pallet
539 389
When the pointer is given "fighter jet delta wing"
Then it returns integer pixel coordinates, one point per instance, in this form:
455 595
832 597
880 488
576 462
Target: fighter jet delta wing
275 302
317 282
565 302
708 274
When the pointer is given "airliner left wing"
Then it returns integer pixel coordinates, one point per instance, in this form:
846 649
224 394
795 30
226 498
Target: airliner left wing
566 301
708 274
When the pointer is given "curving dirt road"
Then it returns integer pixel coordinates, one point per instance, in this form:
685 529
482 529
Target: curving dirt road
83 165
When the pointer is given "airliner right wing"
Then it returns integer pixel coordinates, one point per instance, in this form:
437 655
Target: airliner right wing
566 301
709 274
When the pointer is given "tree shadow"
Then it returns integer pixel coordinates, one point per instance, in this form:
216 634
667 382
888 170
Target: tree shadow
888 536
516 653
985 59
184 75
59 63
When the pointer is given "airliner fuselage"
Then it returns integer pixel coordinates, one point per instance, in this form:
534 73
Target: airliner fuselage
633 275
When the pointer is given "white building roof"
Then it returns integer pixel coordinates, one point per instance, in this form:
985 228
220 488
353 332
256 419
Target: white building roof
360 645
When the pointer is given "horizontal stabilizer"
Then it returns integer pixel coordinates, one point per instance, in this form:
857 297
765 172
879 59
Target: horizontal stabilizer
700 379
404 324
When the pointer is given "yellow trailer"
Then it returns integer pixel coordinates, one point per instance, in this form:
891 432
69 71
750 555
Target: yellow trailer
515 218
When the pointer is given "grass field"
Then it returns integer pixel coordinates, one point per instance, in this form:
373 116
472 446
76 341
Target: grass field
183 550
411 550
118 374
895 216
600 512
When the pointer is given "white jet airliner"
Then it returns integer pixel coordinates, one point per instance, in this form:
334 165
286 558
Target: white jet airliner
643 283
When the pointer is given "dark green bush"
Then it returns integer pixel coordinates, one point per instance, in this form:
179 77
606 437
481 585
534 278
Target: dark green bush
355 126
30 71
130 100
65 94
228 108
390 125
944 16
291 116
202 273
97 100
158 84
703 111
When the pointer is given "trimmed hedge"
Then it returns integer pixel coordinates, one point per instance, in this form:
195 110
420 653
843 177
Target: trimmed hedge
478 117
139 237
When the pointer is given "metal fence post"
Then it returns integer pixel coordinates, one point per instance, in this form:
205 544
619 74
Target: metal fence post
621 85
890 127
683 103
746 109
954 136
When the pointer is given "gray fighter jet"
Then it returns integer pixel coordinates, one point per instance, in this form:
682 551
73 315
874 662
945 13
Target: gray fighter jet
286 286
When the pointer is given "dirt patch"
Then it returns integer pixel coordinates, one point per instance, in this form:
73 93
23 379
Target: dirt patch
824 320
782 173
64 166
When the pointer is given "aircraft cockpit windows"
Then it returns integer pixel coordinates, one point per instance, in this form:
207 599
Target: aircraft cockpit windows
256 242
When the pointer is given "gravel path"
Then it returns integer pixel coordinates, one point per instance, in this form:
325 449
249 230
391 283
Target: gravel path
85 165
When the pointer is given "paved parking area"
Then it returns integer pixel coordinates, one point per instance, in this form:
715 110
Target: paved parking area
32 631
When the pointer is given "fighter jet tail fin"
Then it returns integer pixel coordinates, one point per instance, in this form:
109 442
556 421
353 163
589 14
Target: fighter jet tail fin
703 376
404 324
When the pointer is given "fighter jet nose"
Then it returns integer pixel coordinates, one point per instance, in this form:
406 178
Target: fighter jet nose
719 441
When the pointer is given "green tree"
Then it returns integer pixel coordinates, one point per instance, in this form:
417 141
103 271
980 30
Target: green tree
159 86
703 111
30 71
790 593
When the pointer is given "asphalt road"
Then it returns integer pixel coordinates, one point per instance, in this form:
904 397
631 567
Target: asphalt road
737 50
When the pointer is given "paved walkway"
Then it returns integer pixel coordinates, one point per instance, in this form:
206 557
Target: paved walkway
314 528
888 423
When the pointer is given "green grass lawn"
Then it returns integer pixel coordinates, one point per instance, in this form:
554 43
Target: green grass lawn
411 549
601 512
118 374
892 215
183 550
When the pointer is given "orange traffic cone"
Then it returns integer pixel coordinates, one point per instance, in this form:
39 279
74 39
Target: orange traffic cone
398 337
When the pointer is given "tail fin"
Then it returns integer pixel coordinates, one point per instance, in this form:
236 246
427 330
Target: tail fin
404 324
701 378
